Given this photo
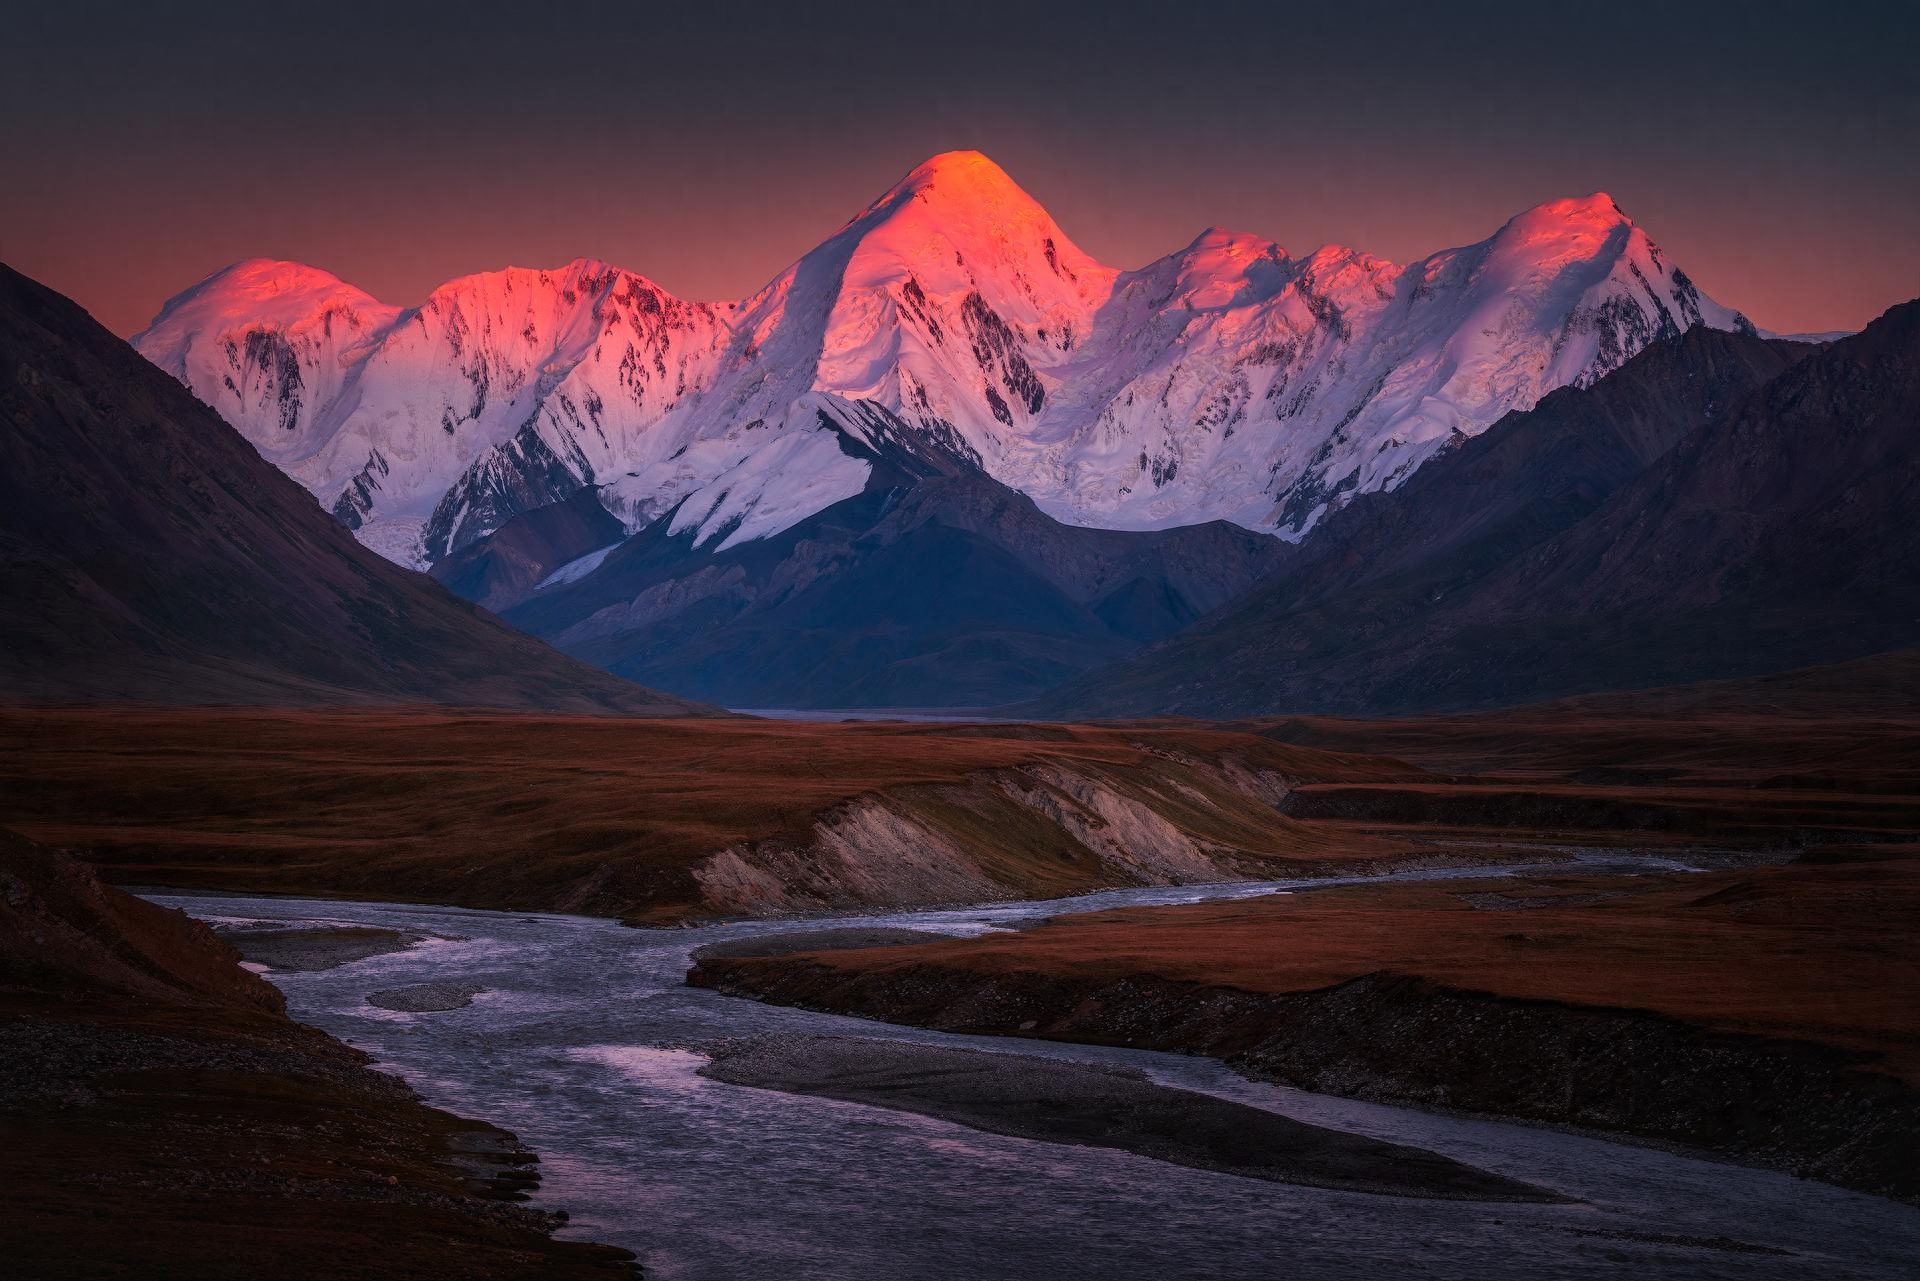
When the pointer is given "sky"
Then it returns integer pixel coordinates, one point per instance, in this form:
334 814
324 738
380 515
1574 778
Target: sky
1772 150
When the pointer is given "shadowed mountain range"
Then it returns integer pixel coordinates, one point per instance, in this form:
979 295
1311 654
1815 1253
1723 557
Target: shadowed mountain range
147 551
935 587
1721 506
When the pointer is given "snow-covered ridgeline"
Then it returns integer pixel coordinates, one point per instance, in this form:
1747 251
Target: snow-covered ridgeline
1228 380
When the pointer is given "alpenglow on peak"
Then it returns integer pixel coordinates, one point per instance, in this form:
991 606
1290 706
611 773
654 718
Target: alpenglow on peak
1228 380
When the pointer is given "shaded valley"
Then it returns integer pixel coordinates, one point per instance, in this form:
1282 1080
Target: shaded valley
937 586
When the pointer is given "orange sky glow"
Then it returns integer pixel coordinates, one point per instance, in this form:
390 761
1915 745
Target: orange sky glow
398 152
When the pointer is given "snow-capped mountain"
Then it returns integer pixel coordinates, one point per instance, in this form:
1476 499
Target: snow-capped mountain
1234 381
1228 380
489 398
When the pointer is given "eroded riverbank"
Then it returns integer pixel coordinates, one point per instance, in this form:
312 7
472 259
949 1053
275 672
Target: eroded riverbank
1759 1012
585 1043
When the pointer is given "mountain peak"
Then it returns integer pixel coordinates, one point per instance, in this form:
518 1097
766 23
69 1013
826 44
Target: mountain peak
969 168
1580 224
1224 268
961 188
1233 244
270 276
261 287
958 223
1595 204
258 293
567 285
1539 242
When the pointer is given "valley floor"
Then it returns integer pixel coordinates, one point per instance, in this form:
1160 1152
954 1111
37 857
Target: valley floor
663 821
1763 1008
1768 1013
719 1137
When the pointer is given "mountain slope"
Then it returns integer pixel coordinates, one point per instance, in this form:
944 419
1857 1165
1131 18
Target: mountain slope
1533 473
146 551
1778 534
504 567
1229 380
1232 380
936 587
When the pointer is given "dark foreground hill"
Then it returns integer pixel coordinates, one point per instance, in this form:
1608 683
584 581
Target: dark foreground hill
1720 507
148 552
162 1118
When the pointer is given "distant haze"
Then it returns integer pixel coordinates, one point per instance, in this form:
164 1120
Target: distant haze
707 148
